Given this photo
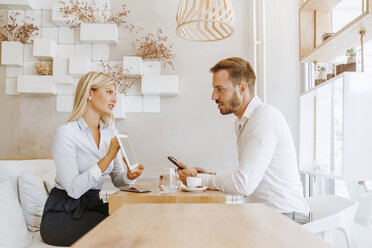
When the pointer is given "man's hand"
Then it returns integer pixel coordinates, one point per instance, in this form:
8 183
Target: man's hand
201 170
187 171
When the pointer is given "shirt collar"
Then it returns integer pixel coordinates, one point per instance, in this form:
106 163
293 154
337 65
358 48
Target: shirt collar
83 125
253 104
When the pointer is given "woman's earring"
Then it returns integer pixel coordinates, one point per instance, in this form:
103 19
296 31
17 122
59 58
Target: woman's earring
89 98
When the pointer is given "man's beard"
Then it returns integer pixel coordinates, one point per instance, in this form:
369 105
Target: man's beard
232 105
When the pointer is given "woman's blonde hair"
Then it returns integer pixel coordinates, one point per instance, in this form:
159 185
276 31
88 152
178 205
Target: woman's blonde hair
90 81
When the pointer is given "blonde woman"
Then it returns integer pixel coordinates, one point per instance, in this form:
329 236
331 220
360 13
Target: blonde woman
85 151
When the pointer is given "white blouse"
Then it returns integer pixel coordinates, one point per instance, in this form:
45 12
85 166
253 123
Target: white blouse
76 156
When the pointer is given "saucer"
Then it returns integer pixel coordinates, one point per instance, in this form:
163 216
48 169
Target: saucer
194 189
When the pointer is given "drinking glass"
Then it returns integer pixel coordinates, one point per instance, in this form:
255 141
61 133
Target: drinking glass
168 180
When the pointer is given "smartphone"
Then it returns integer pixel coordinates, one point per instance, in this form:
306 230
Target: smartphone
174 161
131 188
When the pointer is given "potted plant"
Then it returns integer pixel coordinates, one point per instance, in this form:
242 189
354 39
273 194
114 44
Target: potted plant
331 72
119 75
96 26
150 51
351 55
43 69
13 36
154 49
350 63
322 72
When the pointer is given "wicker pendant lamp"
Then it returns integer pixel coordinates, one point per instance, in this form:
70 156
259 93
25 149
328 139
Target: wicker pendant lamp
205 20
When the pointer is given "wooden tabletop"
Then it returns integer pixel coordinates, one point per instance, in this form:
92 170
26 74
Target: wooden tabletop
119 198
198 225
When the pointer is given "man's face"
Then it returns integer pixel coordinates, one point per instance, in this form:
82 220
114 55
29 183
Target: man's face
226 95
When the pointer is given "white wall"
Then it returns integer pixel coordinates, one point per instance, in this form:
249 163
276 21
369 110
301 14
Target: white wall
189 126
283 68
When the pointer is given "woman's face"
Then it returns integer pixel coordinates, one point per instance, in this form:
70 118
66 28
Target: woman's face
103 99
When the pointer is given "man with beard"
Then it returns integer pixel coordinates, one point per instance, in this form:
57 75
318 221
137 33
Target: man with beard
267 171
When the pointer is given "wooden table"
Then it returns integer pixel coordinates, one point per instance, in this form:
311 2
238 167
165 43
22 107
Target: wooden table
119 198
198 225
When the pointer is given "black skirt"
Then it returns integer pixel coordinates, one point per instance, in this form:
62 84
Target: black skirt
66 219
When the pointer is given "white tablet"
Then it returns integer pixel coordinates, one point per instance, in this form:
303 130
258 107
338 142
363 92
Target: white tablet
127 151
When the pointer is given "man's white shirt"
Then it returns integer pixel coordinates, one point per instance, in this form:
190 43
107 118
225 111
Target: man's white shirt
267 171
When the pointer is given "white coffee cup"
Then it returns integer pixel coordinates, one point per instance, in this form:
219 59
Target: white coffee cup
193 182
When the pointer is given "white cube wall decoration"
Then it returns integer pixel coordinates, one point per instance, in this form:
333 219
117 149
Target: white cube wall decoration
18 4
132 65
18 15
49 33
48 4
76 81
64 103
133 104
11 86
135 89
45 48
35 35
60 66
66 35
79 65
151 67
97 66
29 68
66 50
83 50
58 16
119 110
11 53
163 85
63 79
36 15
77 35
115 63
29 84
100 52
28 52
46 18
13 71
99 33
64 89
151 104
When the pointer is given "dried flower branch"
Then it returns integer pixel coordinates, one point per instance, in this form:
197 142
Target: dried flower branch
88 12
153 46
120 76
43 68
15 32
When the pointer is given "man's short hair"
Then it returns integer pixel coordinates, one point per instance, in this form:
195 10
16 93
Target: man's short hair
239 71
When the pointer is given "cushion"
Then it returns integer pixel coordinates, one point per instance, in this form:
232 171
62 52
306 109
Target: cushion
32 195
13 230
48 178
11 170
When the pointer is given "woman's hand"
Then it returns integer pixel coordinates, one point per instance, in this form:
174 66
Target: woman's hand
135 173
114 147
